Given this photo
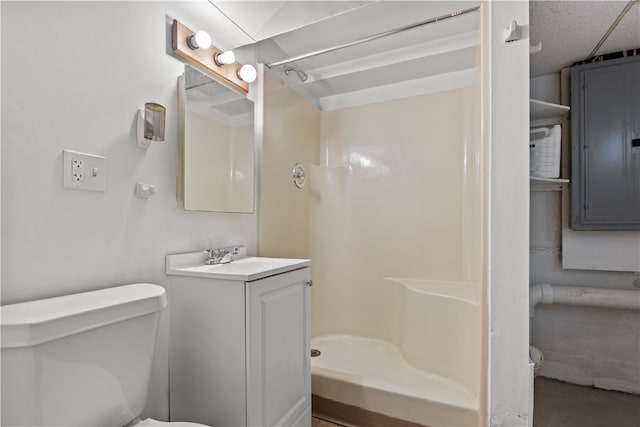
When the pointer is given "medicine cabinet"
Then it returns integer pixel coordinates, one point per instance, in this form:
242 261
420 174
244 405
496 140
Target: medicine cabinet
216 149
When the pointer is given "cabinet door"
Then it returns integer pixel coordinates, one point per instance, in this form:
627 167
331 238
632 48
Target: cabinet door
206 351
278 347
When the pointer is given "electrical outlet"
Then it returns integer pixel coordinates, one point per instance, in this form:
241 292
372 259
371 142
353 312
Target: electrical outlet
76 166
77 170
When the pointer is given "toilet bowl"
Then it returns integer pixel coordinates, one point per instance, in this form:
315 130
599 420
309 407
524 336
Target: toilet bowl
81 359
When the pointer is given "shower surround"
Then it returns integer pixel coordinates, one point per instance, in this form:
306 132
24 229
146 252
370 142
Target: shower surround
394 232
396 310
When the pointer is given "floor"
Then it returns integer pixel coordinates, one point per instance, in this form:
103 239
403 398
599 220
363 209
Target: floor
317 422
559 404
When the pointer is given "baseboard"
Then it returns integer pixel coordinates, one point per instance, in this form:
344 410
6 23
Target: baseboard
353 416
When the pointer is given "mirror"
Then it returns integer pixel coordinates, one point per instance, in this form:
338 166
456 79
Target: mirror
216 165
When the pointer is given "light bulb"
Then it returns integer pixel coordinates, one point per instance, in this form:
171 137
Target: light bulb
199 40
223 58
247 73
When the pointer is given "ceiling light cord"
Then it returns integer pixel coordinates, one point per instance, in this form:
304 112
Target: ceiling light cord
612 27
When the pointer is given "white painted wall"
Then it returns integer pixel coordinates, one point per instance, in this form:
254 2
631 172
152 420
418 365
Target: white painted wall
505 68
0 151
74 81
591 346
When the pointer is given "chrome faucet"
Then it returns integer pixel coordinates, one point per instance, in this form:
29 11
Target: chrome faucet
220 255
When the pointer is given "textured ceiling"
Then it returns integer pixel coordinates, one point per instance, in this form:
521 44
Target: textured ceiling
569 30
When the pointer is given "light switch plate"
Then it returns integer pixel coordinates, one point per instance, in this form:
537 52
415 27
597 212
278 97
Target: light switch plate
84 171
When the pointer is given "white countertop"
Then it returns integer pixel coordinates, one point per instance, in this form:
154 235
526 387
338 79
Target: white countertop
243 269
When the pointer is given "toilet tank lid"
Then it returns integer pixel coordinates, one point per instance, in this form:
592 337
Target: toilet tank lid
36 322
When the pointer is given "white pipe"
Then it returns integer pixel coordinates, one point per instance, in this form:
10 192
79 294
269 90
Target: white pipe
536 357
533 49
545 293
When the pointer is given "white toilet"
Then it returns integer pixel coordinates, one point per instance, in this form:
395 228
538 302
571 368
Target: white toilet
82 359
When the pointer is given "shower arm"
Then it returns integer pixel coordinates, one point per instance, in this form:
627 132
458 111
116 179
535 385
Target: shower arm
374 37
301 74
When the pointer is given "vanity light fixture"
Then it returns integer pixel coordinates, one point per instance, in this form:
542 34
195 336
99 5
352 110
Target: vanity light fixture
247 73
151 121
198 51
224 58
200 40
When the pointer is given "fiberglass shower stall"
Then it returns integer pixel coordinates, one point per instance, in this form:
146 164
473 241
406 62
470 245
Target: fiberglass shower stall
398 217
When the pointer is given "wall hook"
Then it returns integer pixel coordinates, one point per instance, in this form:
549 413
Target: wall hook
512 32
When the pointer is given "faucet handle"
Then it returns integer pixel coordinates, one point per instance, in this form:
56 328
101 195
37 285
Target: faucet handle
227 253
215 253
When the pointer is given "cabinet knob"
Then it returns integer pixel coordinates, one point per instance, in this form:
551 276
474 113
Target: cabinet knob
309 282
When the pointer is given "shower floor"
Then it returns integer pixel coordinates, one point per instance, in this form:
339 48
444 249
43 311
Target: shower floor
379 364
373 374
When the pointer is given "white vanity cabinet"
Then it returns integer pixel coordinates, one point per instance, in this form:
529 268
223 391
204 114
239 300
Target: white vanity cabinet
239 349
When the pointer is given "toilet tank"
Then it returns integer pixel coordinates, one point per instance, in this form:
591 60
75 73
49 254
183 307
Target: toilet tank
81 359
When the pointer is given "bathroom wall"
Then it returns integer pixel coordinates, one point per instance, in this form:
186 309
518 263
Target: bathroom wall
0 151
291 134
384 198
387 196
591 346
73 76
505 119
389 205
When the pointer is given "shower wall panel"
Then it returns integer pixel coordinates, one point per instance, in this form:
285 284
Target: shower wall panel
387 201
291 134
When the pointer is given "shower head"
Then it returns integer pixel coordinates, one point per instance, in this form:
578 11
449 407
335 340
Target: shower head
301 74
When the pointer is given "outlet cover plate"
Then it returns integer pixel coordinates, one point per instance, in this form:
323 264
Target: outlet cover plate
94 171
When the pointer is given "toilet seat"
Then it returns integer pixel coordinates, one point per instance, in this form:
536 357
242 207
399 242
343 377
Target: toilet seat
150 422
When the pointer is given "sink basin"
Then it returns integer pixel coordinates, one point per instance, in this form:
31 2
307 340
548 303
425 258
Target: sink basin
243 269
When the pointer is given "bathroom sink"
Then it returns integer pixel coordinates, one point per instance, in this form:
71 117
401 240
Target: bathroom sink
243 269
